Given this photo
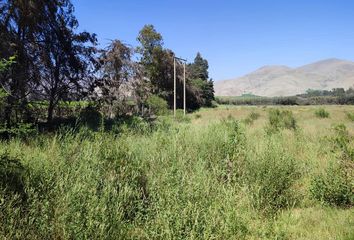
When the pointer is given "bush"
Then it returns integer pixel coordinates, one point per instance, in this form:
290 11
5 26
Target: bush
180 117
281 119
12 175
270 176
322 113
157 105
91 118
21 130
334 187
350 116
253 116
197 116
341 141
133 125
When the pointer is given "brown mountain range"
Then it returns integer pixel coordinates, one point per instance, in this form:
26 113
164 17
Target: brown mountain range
285 81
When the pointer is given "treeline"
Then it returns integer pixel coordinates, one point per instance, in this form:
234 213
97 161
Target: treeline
336 96
47 64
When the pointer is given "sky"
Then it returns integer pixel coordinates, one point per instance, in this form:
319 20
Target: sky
235 36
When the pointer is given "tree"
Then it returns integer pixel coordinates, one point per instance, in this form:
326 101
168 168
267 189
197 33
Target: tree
157 63
116 69
199 77
67 59
151 52
52 60
199 68
21 24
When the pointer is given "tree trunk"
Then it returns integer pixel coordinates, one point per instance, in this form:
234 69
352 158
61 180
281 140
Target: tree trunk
50 111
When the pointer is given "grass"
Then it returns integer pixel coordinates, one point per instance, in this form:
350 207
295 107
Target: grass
206 176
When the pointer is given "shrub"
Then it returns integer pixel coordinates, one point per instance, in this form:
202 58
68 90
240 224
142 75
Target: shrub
21 130
334 187
133 125
180 117
157 105
280 119
91 118
253 116
322 113
269 178
350 116
197 116
342 140
12 175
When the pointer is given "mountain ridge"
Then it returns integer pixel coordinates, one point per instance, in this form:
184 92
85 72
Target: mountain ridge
281 80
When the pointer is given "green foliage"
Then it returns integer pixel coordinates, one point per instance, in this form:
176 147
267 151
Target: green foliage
315 97
133 125
253 116
199 79
342 142
160 180
180 117
197 116
91 118
322 113
350 116
12 175
21 130
334 187
157 105
5 64
280 119
270 177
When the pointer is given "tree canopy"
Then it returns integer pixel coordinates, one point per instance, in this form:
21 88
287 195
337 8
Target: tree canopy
56 63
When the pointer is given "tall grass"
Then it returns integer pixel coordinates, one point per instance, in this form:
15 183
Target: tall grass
168 180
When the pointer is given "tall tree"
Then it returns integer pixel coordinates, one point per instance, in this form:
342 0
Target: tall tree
152 53
67 59
199 68
116 70
21 24
199 77
51 57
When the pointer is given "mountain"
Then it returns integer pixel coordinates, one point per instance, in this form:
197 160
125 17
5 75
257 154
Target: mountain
284 81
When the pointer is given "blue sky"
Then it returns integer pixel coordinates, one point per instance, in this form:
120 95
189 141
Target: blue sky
236 37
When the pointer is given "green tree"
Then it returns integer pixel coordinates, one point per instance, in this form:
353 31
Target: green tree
67 59
199 77
52 59
157 63
199 68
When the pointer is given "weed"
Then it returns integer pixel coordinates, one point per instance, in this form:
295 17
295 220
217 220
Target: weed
322 113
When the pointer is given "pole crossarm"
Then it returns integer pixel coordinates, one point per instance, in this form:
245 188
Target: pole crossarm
181 59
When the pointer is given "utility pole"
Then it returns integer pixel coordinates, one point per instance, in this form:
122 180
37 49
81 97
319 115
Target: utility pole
184 88
174 84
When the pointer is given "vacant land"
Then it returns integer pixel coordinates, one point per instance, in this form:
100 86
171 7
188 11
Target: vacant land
224 173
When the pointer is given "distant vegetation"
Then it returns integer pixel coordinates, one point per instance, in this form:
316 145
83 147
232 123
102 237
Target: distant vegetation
322 113
337 96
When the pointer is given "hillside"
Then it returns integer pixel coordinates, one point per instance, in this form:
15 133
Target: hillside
284 81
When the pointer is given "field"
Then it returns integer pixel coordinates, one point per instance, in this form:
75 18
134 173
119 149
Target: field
231 172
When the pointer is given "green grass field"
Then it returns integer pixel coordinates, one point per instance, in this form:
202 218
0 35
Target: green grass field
224 173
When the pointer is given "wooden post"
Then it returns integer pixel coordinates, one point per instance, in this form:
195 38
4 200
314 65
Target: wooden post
174 87
184 88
